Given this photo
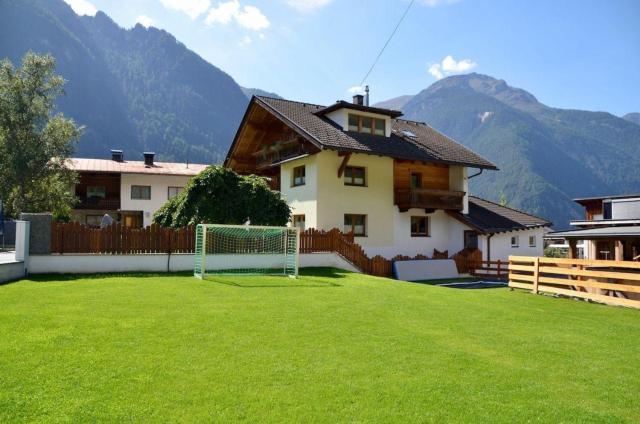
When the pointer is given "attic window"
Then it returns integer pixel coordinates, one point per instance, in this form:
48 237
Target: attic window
366 124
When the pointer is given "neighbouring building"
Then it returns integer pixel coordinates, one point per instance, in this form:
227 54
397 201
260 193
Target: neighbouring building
610 229
129 191
400 186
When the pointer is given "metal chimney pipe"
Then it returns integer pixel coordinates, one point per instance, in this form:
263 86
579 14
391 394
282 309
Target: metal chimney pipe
366 95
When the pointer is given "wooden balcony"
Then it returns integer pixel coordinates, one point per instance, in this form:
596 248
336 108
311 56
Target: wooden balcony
96 203
429 199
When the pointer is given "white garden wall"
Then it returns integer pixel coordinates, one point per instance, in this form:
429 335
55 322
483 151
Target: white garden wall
89 264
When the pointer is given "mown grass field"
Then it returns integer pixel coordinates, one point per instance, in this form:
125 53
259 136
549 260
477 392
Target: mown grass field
329 346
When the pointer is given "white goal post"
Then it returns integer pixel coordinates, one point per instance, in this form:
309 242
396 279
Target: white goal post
246 249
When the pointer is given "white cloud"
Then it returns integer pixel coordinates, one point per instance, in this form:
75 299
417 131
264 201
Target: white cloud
144 20
356 89
249 17
308 5
82 7
245 41
450 66
193 8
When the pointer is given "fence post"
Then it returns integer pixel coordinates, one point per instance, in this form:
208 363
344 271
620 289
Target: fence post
536 266
498 270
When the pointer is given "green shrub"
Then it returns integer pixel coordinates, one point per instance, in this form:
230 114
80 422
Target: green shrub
220 196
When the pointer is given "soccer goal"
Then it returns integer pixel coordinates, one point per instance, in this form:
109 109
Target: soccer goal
246 249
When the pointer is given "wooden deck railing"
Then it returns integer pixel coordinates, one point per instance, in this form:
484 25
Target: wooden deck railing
610 282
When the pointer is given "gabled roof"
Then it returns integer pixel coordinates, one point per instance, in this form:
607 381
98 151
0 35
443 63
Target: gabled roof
489 217
135 167
428 145
341 104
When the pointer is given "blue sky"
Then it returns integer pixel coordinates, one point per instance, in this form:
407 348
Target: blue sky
570 54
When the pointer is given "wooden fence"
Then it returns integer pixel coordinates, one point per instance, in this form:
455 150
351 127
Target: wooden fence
117 239
73 237
610 282
496 270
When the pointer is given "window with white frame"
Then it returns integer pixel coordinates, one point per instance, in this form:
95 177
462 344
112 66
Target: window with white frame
515 241
299 176
532 241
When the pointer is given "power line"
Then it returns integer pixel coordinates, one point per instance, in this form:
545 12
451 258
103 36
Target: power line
387 42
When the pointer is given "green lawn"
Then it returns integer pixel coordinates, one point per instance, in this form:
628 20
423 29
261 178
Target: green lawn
329 346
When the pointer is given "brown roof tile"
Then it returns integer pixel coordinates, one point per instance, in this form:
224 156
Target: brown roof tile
490 217
428 144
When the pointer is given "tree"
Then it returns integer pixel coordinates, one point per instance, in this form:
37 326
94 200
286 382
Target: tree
34 144
503 199
220 196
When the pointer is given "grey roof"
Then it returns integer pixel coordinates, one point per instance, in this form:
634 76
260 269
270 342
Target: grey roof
429 145
490 217
616 196
601 232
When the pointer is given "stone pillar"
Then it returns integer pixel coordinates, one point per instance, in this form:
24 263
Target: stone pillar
40 232
22 240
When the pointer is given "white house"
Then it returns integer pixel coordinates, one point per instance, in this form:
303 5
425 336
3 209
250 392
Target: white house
129 191
400 186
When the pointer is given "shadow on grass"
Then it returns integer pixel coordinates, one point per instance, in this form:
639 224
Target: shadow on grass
308 277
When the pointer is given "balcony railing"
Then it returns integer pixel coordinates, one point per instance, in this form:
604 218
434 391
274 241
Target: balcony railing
427 198
98 203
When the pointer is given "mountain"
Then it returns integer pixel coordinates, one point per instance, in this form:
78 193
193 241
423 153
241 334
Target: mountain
250 92
546 155
397 103
137 89
632 117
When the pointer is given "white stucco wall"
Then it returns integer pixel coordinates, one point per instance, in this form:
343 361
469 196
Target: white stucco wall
335 199
501 244
458 181
302 199
159 192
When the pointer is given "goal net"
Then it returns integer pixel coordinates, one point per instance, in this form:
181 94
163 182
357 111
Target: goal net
246 249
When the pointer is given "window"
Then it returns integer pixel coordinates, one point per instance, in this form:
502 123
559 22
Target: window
173 191
470 239
515 241
532 241
298 221
419 226
354 175
606 210
366 124
355 223
141 192
96 191
416 180
93 220
298 176
353 122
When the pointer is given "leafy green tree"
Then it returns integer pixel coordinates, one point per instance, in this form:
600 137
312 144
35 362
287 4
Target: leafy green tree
503 199
34 143
220 196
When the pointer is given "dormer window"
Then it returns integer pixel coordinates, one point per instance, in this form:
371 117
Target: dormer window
366 124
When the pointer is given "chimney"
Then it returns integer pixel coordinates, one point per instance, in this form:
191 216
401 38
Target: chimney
117 156
358 99
148 158
366 95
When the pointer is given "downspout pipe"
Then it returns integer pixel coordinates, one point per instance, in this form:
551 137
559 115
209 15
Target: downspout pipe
489 245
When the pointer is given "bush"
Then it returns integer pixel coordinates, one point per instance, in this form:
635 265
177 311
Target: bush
555 252
220 196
